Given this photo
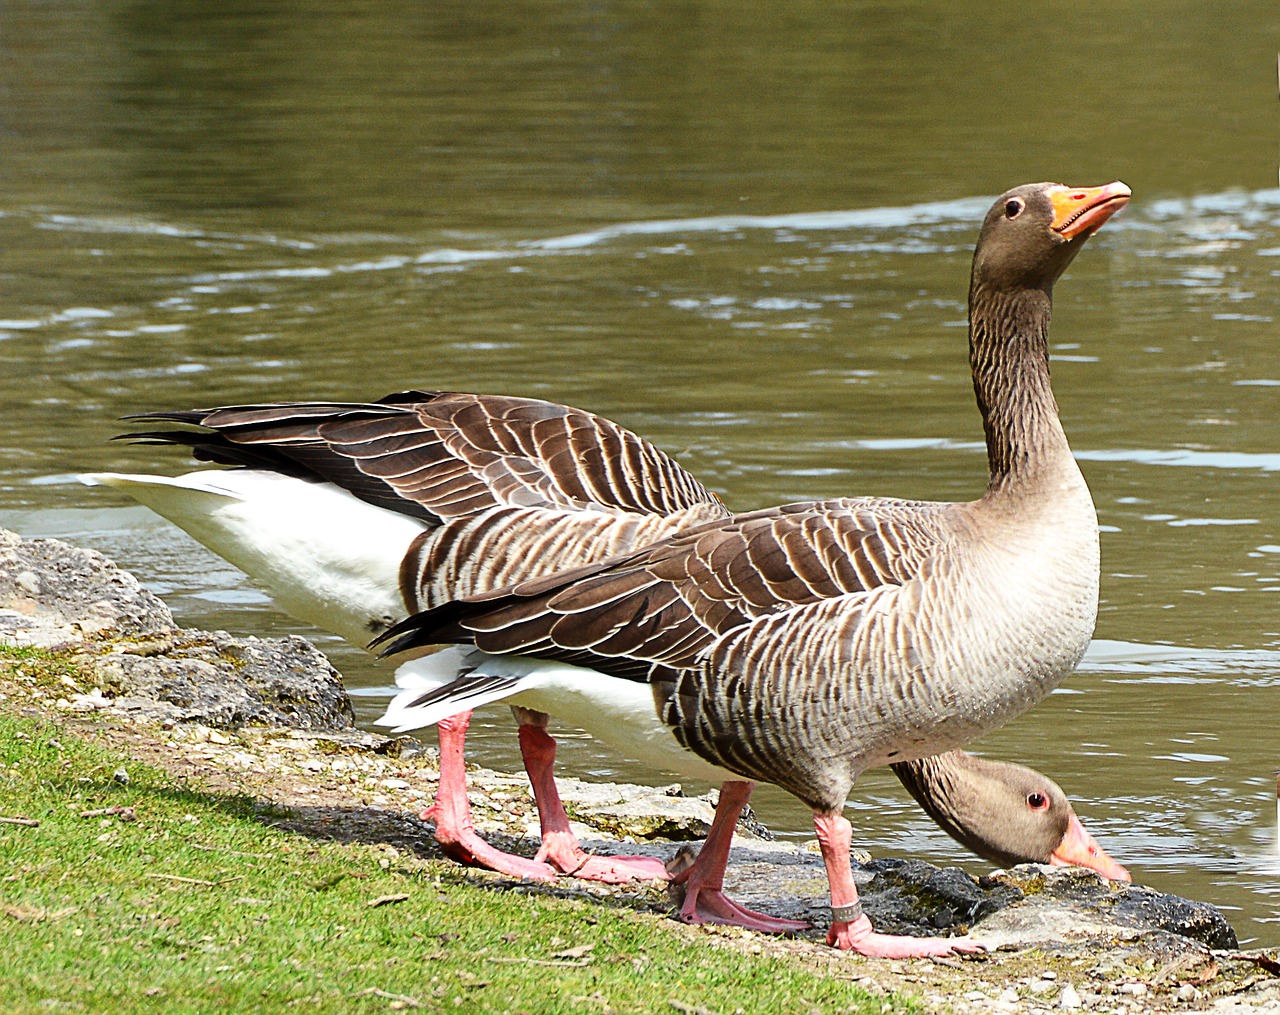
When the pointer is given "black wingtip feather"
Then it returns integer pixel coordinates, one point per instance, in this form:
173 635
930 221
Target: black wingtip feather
441 625
194 417
207 446
411 397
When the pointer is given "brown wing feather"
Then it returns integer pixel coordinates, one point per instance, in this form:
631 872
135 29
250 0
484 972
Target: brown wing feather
664 604
447 455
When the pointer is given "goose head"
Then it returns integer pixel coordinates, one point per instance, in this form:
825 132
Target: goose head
1008 814
1032 233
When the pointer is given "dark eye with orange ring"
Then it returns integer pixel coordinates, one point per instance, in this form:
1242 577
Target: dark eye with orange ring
1013 208
1037 801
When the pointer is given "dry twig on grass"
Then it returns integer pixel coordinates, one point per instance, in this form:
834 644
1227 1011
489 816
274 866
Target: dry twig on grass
541 962
123 813
404 999
385 900
197 881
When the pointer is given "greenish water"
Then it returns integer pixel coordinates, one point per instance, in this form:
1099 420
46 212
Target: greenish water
744 231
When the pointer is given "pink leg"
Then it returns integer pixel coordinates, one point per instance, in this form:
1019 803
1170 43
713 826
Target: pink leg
559 845
452 812
835 836
704 898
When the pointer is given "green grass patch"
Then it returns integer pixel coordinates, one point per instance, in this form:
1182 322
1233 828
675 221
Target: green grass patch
38 668
167 899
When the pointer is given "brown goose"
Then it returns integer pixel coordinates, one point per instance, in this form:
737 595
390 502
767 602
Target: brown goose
353 516
804 644
449 493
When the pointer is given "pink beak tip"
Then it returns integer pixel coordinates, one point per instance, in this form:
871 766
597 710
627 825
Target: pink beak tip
1080 849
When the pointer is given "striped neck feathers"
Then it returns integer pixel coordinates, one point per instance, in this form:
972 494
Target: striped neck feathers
1009 356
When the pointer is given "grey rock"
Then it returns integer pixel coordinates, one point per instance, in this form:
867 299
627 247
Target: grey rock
53 591
639 813
221 681
1070 903
123 639
914 897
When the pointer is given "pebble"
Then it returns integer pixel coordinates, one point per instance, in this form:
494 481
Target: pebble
1009 995
218 738
90 702
1134 989
1187 993
1069 998
395 783
975 995
311 765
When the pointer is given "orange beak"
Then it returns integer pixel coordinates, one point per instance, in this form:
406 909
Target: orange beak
1081 211
1080 849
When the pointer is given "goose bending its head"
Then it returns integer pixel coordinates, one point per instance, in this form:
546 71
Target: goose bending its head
803 644
1008 814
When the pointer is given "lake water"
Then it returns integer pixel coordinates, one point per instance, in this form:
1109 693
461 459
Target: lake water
744 231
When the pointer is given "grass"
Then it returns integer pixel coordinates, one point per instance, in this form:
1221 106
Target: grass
197 905
32 667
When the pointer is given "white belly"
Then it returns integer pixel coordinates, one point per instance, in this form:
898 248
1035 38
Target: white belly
326 557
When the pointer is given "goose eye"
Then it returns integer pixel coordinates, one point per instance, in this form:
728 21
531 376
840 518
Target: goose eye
1013 208
1037 801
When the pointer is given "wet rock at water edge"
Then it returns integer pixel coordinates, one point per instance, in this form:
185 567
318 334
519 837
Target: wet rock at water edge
1071 903
51 591
914 897
128 654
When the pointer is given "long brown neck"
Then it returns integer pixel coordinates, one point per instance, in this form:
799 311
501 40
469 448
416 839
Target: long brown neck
1009 354
938 785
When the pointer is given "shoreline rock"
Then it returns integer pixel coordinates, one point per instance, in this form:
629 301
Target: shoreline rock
129 653
269 717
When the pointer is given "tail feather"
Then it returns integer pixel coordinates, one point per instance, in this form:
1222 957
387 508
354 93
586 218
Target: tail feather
325 556
453 680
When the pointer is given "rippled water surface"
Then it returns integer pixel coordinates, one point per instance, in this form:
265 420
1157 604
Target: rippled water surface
745 232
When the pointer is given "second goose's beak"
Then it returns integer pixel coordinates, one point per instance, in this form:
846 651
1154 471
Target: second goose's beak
1080 849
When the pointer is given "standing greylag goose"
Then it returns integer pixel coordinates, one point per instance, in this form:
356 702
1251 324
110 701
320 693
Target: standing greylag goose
804 644
354 515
